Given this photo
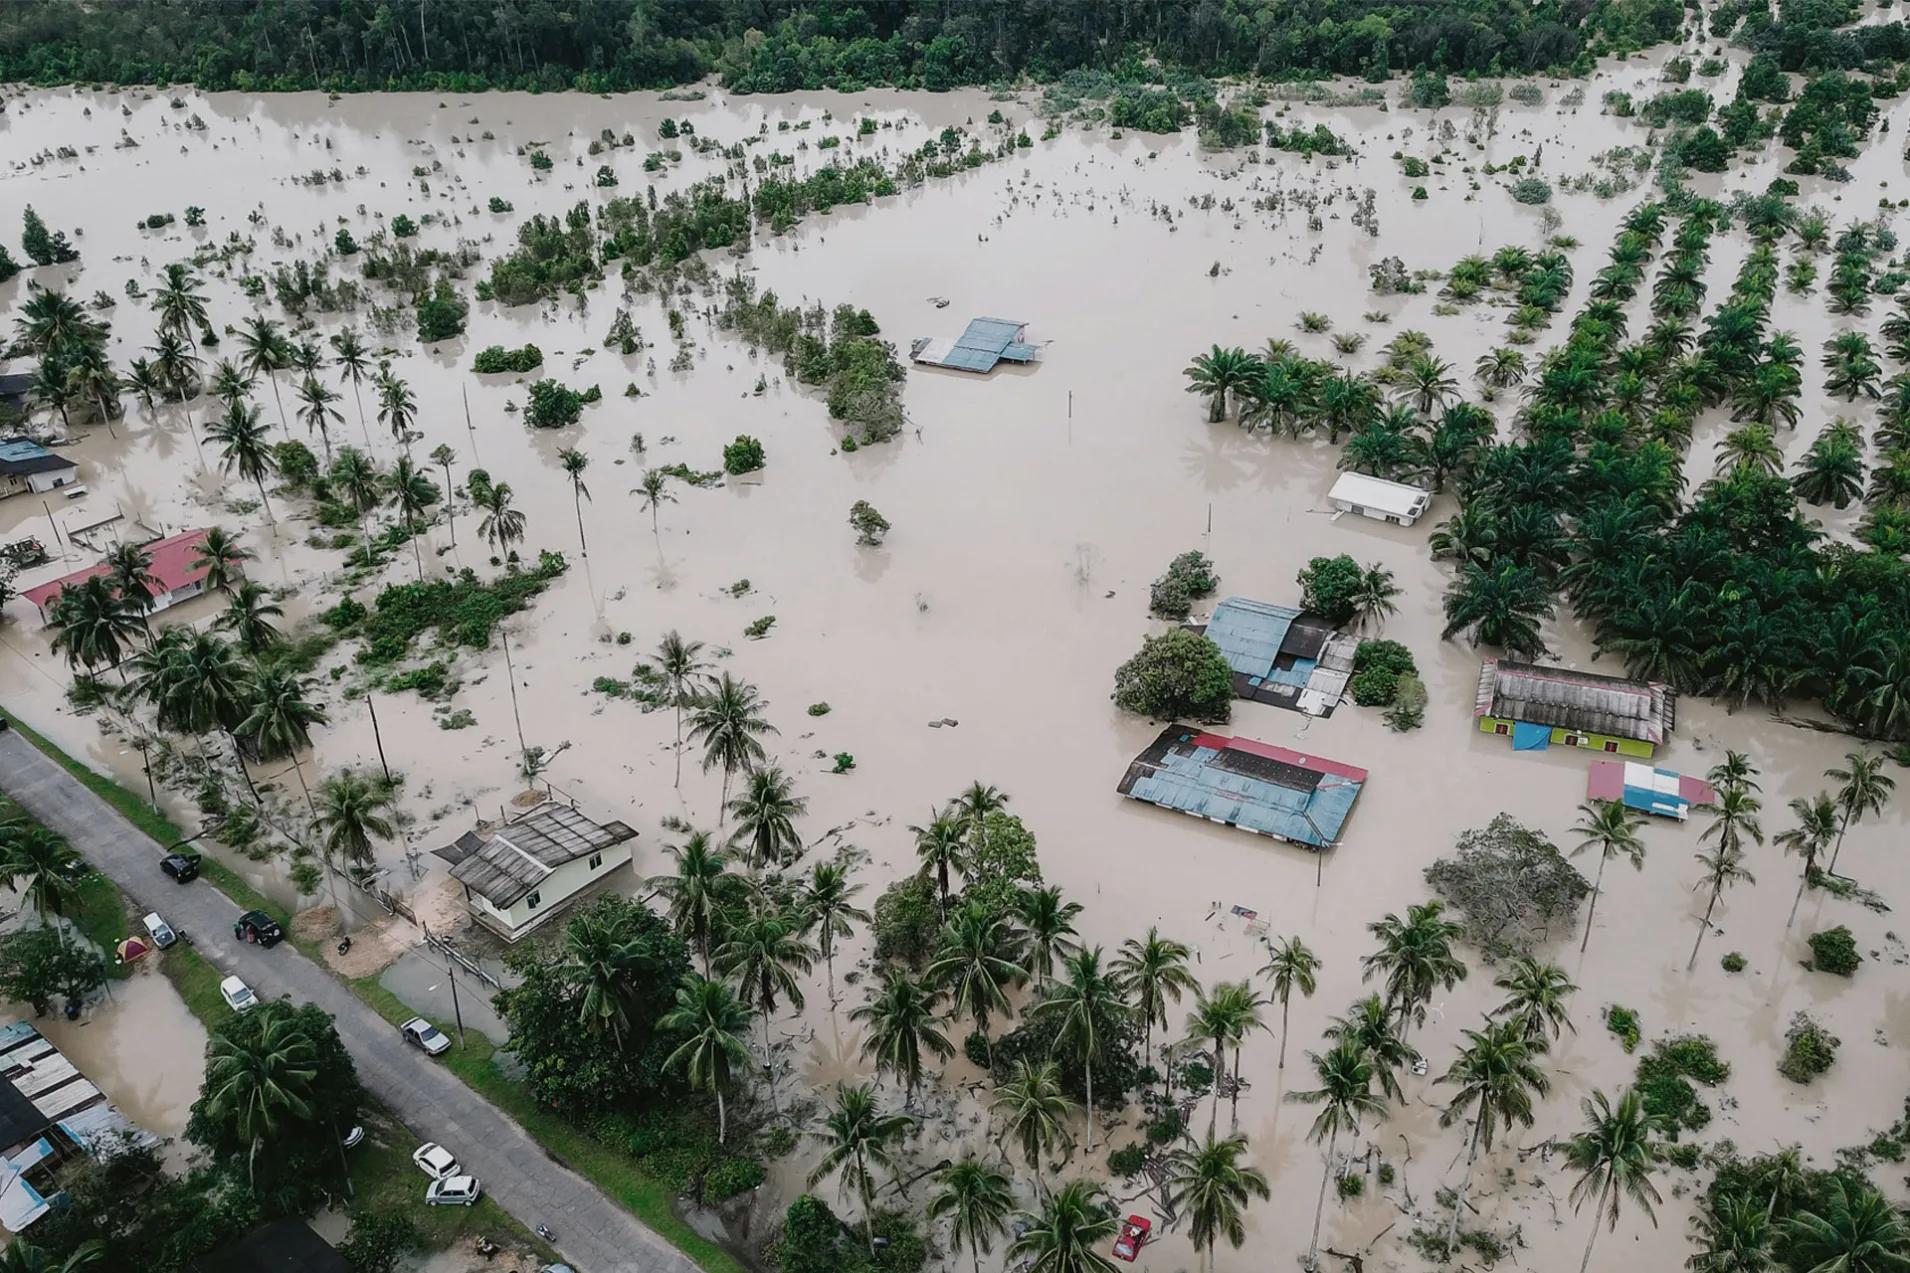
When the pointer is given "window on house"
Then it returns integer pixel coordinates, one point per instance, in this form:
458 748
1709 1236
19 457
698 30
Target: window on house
1502 728
1611 746
596 860
531 902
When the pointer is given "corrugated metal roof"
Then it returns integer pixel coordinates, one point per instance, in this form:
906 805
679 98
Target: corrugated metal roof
522 853
1397 498
174 564
1585 701
1250 633
985 342
1300 798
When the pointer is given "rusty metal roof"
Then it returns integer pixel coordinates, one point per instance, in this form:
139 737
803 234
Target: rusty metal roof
521 854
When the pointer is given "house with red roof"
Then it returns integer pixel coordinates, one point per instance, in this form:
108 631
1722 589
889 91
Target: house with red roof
177 574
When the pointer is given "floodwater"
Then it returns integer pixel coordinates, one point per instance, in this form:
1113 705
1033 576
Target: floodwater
141 1046
1030 510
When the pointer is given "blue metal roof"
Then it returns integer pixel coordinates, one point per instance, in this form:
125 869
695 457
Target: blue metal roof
19 449
1267 789
986 342
1250 633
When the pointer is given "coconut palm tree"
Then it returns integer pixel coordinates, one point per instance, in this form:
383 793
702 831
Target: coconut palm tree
973 806
1088 1007
1047 925
50 321
901 1021
1426 382
765 812
765 953
827 899
248 617
1734 820
1069 1233
1749 448
93 627
129 570
1501 603
1415 958
241 437
397 406
353 361
1611 828
444 457
1291 965
317 411
1034 1112
1241 1003
1218 373
712 1021
41 868
684 672
1815 831
977 1201
282 717
412 494
857 1138
1372 599
1377 1032
1214 1187
223 558
1615 1156
264 351
353 811
728 720
655 491
1733 1235
1500 368
1832 471
1215 1019
1496 1077
697 893
232 384
1345 1097
602 956
1535 997
180 306
574 463
1856 1230
1152 971
355 476
502 525
1735 771
1863 789
262 1079
977 963
941 846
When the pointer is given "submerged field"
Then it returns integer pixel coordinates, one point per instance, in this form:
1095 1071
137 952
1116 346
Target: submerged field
1030 510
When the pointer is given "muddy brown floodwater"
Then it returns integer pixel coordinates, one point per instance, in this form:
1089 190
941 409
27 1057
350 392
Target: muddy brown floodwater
1031 508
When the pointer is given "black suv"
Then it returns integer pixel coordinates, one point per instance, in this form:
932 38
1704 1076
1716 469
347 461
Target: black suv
183 867
257 926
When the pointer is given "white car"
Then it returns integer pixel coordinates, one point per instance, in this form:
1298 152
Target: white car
424 1036
435 1161
453 1191
354 1138
237 995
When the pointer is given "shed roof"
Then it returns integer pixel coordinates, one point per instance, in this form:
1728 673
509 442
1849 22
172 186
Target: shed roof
21 456
985 342
1397 498
1301 798
172 568
1250 633
521 854
1564 699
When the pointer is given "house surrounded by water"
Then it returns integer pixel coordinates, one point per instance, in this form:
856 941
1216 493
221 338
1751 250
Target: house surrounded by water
178 574
1282 656
1302 799
986 342
532 867
26 467
1538 706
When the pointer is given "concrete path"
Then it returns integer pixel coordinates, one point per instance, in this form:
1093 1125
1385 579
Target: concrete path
594 1233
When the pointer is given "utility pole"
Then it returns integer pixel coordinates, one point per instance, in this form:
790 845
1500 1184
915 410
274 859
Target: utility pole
504 633
378 738
450 968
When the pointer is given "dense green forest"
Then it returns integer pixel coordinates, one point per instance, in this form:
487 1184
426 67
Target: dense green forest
780 45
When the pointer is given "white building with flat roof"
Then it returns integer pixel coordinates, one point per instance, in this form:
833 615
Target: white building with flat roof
1379 499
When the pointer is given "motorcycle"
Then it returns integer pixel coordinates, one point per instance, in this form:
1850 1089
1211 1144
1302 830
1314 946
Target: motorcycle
543 1231
344 945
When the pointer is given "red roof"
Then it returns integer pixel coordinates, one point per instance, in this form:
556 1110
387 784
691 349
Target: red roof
171 569
1316 764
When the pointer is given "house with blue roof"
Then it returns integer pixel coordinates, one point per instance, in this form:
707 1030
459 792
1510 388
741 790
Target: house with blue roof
1282 656
27 467
1302 799
987 341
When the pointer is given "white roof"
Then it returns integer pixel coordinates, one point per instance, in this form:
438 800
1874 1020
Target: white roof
1376 492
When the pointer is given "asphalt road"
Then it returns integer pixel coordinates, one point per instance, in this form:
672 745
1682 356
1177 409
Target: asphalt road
593 1233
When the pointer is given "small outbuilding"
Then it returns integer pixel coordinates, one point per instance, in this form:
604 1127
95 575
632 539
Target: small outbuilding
986 342
1304 800
1282 656
26 467
1648 790
530 868
177 573
1378 498
1538 706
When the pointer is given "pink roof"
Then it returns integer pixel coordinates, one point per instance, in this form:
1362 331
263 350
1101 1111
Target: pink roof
171 569
1316 764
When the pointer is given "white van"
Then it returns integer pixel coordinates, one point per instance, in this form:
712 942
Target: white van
160 931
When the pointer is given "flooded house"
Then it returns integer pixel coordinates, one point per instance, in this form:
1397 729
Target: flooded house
532 867
1282 656
1237 782
177 574
1377 498
27 468
985 343
1662 792
1538 706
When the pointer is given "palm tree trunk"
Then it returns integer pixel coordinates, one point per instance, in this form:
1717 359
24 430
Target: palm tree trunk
1465 1184
362 426
583 547
868 1203
1843 825
1704 926
769 1066
679 739
1319 1208
245 773
267 502
1284 999
722 1116
1087 1071
1592 910
1586 1263
1220 1072
1802 880
1235 1099
273 379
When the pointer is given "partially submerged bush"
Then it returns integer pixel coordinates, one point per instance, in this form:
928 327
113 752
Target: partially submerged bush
1511 884
745 455
552 406
1531 190
1409 705
1189 577
1810 1049
496 359
1623 1023
1379 666
1666 1076
870 525
1329 585
1179 674
1835 951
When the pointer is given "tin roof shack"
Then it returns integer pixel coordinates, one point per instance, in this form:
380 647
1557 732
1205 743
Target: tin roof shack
1282 656
49 1113
177 574
531 867
1378 498
1539 706
986 342
1639 786
26 466
1304 800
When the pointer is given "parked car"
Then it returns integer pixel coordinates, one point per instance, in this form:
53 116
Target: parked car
1134 1235
159 930
421 1034
453 1191
183 867
237 995
354 1138
257 926
435 1161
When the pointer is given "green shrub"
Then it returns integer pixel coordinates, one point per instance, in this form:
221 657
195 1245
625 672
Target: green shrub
1531 190
1835 951
870 525
1623 1022
1350 1185
1413 166
441 313
345 614
1665 1079
1164 1129
379 1239
745 455
500 205
1127 1161
1733 962
819 709
552 406
1178 674
1328 586
1375 687
1378 668
1810 1049
495 359
731 1176
907 921
1409 704
1189 577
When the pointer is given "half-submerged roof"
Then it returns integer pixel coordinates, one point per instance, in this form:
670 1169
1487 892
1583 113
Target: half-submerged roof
986 342
1242 783
1584 701
521 854
1250 633
1398 498
173 567
22 456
